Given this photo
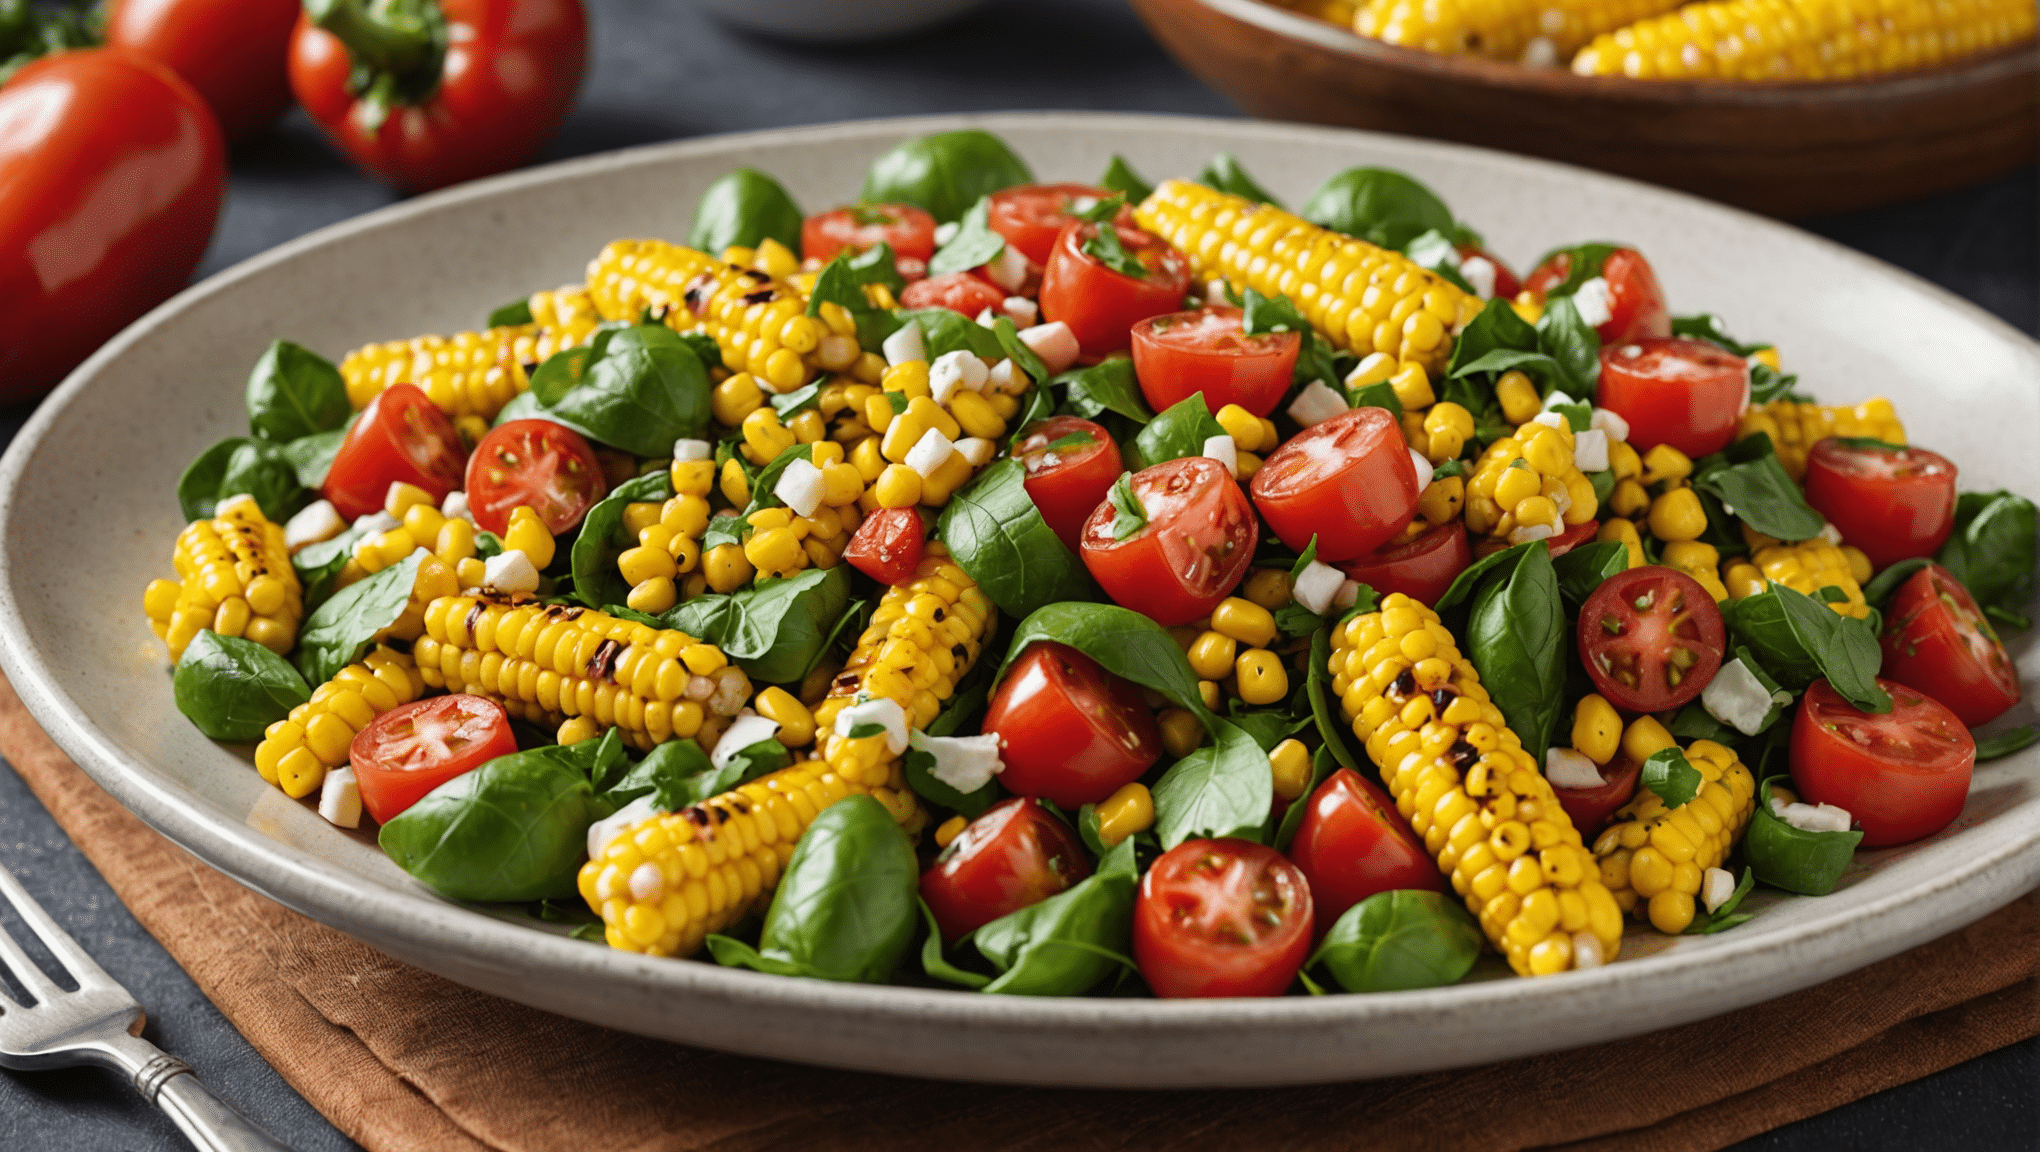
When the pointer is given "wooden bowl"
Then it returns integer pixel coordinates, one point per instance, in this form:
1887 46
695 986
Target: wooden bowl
1793 149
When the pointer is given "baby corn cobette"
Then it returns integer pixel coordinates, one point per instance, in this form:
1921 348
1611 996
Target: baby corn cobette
1652 858
297 751
234 578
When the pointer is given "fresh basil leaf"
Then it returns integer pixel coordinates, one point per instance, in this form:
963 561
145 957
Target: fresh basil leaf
920 772
1123 642
514 829
1753 487
1226 174
1707 326
775 629
997 536
1128 516
2003 744
1265 314
340 630
1809 863
515 314
1380 394
1583 263
1800 639
867 729
642 390
318 564
944 173
295 392
1992 552
1695 723
1040 406
1016 350
241 466
1179 431
1107 386
1379 205
1463 585
743 208
1458 468
944 330
233 689
1323 762
1669 774
1574 346
1478 398
678 773
1069 943
1726 916
878 265
602 539
939 968
1767 384
1399 940
1517 639
1583 569
1266 727
1546 371
1222 789
1104 247
1120 177
762 494
973 245
311 457
1496 328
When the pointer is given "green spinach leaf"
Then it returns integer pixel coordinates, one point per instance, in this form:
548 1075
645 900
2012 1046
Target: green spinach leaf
678 773
944 173
515 828
340 630
1992 552
639 390
1800 639
1128 516
232 688
1753 486
1107 386
775 629
1582 570
515 314
295 392
1669 774
1226 174
1069 943
1517 639
2007 742
241 466
1180 430
602 539
1398 940
311 457
1120 177
744 207
1381 206
996 535
1809 863
974 243
1574 346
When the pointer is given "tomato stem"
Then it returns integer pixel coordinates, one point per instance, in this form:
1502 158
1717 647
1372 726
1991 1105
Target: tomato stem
396 46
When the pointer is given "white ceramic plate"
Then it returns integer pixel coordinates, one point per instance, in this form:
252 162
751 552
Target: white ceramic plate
88 518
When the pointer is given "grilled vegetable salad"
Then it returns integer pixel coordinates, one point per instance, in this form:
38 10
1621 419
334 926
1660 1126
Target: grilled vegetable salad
1054 588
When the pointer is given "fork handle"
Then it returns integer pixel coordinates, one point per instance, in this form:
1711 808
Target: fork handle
210 1123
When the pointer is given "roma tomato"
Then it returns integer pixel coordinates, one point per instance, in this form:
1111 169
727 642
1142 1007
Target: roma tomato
1936 640
114 171
1196 545
1068 729
1902 775
889 545
1071 463
1894 503
1590 808
1183 353
400 436
1349 481
956 291
1353 843
1636 305
473 94
1686 393
1421 569
1031 216
231 51
909 230
1651 638
413 748
538 464
1101 305
1013 855
1221 918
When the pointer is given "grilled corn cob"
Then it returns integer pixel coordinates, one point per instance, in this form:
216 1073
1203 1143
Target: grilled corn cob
1469 789
234 577
1526 486
470 376
1795 427
297 751
1362 298
1537 32
1805 567
1805 39
1652 859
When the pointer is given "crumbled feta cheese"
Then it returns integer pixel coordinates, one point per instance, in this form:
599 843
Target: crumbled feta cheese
1082 204
1716 886
978 450
1020 310
1479 271
1007 377
1054 343
647 883
1316 404
1562 500
1586 951
965 763
1540 52
455 506
1217 292
930 452
1347 596
1610 422
1830 533
800 487
1008 269
881 711
687 451
601 832
747 729
944 233
1374 368
1423 467
376 523
1737 698
1590 450
1524 533
1816 817
1223 450
510 571
905 345
1551 420
315 522
954 371
985 319
1592 302
1316 587
1566 768
340 798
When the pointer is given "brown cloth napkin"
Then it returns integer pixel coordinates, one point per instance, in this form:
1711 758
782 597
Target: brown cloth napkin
401 1059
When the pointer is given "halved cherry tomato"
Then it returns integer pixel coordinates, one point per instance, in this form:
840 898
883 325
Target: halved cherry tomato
1068 729
1902 775
1070 464
1590 808
1013 855
1651 638
1101 306
1936 640
1506 282
400 436
232 51
889 545
1183 353
1686 393
1197 544
1353 843
956 291
413 748
1572 538
1421 569
910 231
1221 918
1349 481
1636 305
1893 503
545 466
1030 216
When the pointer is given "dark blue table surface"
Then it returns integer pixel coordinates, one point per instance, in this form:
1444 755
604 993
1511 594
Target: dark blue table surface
661 71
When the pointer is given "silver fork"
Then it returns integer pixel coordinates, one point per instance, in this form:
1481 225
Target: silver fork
101 1024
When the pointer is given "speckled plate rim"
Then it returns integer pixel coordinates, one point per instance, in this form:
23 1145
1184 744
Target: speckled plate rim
1127 1042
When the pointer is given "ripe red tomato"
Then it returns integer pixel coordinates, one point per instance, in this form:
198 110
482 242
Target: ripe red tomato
1221 918
400 436
504 83
1197 544
1636 305
1031 216
413 748
113 170
1421 569
1651 638
1506 282
1101 305
889 545
1590 808
1069 730
538 464
1902 775
1572 538
1013 855
1353 843
1183 353
1893 503
1936 640
231 51
910 231
1686 393
1349 481
1070 464
956 291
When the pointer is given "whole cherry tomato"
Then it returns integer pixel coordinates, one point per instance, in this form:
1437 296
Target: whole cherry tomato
910 231
1013 855
400 436
956 291
1349 481
1686 393
413 748
1902 775
1031 216
1070 463
1636 305
1421 569
1651 638
232 51
113 173
1221 918
1101 305
472 89
1069 730
1894 503
1197 543
1183 353
1353 843
1936 640
1590 808
889 545
538 464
